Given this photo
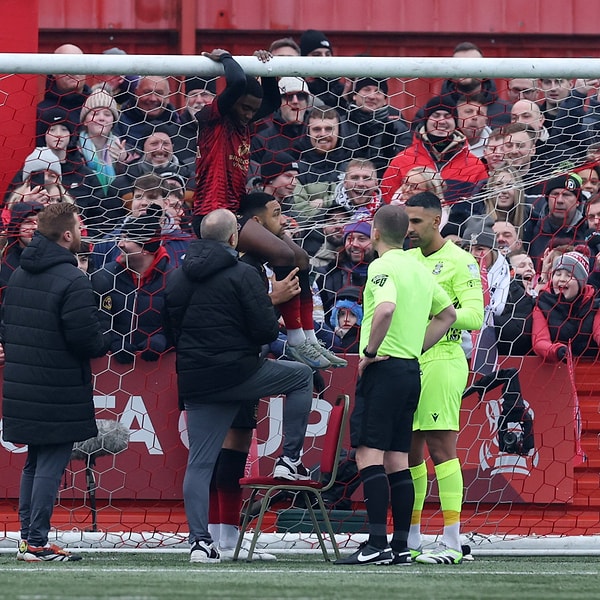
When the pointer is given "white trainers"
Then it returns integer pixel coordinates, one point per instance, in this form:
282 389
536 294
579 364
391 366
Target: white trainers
286 468
201 552
227 553
309 354
442 555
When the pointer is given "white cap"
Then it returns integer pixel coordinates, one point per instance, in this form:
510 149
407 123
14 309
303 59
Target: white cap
288 85
41 159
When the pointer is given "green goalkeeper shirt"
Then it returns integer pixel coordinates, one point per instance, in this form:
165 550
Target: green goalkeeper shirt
457 273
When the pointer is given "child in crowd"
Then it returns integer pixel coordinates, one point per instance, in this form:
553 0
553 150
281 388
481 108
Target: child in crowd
566 312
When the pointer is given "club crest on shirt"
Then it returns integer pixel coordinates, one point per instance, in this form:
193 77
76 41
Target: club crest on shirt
474 270
438 268
379 280
107 303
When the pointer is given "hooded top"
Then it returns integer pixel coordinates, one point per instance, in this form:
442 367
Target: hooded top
220 314
50 330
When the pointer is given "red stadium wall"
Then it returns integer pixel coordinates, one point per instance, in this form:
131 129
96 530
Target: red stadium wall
550 491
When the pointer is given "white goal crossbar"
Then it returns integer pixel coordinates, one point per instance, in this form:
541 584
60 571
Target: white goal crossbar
408 67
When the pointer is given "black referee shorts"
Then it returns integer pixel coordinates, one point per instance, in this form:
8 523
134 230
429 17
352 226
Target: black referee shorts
386 398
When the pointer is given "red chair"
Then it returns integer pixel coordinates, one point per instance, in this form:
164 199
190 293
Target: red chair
332 446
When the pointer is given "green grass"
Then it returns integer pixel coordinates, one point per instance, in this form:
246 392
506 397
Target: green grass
147 576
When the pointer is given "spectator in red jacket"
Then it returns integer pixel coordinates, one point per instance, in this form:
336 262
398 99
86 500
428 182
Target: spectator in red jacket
566 311
440 145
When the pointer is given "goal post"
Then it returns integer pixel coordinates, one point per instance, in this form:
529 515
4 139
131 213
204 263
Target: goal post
534 501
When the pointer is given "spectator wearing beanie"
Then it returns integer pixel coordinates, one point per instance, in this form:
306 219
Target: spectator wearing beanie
65 92
328 92
439 145
104 153
556 214
566 311
278 174
78 180
349 269
380 128
131 290
199 92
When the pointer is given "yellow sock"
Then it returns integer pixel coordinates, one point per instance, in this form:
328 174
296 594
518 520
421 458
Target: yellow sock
450 486
419 477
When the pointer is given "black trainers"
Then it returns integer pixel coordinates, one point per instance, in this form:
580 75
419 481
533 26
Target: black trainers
201 552
51 553
402 558
286 468
368 555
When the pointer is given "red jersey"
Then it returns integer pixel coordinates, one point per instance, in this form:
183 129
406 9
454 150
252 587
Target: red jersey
222 162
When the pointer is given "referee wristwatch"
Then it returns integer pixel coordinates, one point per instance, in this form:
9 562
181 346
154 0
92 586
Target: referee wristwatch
369 354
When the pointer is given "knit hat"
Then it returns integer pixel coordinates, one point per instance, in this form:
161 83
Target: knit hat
440 103
99 99
382 84
576 264
351 305
41 159
479 231
200 83
275 164
313 39
571 182
55 116
363 227
18 213
145 230
288 85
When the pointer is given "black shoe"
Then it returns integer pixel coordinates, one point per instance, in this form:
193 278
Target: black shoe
368 555
402 558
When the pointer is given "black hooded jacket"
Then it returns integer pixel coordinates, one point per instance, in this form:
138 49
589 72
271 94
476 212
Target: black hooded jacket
50 330
220 315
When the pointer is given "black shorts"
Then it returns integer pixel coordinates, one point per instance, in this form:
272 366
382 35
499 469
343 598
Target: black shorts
386 398
247 415
197 220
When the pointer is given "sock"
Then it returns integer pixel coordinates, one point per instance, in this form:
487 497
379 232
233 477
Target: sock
306 302
450 485
229 536
376 490
419 477
290 310
230 470
295 337
402 495
214 530
311 336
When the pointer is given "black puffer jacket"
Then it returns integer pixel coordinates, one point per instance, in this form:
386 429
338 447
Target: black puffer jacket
50 330
220 315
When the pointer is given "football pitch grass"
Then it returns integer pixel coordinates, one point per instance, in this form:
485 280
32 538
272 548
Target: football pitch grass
150 576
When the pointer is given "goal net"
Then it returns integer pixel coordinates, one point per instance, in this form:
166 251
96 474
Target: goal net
510 147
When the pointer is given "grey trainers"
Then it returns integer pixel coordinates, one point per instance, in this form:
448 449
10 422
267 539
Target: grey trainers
335 361
201 552
309 354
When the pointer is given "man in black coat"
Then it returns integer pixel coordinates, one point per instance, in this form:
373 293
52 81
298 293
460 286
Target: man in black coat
220 315
50 329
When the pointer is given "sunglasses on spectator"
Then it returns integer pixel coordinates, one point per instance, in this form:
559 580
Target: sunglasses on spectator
302 96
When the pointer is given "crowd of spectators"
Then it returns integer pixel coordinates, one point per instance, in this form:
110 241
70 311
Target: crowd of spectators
517 168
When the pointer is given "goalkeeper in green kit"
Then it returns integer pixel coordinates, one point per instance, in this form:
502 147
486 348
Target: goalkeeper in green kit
444 377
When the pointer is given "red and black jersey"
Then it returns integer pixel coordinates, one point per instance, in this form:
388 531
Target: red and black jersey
222 162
